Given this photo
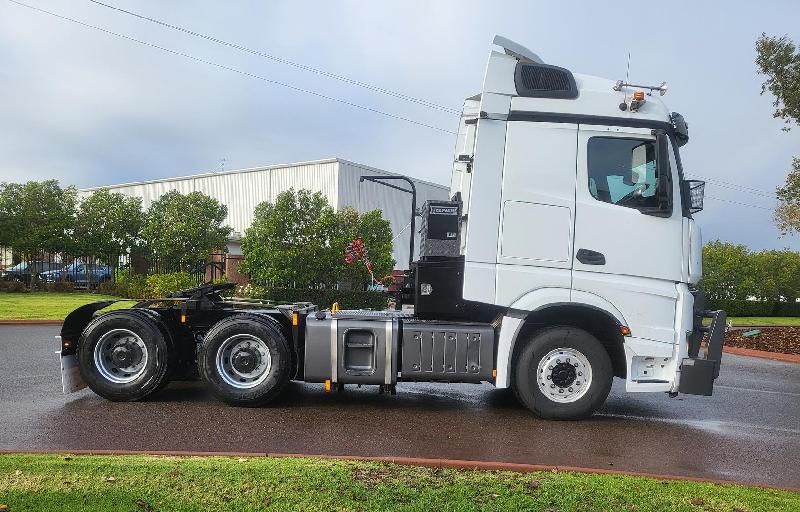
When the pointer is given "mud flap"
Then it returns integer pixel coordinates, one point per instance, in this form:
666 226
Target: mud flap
698 375
71 380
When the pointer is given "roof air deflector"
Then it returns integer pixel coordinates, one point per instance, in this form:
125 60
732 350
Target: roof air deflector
517 50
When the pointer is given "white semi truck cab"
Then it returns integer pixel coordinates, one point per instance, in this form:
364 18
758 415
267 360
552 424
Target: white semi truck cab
566 256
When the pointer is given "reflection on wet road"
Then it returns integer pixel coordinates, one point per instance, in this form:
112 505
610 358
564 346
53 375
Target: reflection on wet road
748 431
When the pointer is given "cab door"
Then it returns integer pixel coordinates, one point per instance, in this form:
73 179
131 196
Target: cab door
628 226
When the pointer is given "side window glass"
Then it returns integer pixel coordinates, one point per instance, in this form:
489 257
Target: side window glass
623 171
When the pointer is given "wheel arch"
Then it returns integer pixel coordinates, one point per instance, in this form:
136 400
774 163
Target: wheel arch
561 306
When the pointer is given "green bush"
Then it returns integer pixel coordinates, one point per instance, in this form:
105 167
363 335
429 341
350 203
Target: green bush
323 297
161 285
147 287
12 286
60 286
754 308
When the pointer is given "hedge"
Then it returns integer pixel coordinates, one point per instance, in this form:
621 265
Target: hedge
147 287
754 308
324 297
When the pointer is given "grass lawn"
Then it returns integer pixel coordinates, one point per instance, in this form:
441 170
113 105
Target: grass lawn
45 483
761 321
765 320
46 305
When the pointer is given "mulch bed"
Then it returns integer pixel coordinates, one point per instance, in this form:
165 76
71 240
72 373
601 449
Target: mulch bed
785 340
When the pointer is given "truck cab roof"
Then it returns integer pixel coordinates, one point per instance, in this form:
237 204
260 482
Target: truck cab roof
556 90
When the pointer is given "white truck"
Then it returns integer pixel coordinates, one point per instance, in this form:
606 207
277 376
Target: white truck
567 256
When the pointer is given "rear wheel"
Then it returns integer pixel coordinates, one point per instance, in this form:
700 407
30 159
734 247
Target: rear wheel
245 360
124 356
562 373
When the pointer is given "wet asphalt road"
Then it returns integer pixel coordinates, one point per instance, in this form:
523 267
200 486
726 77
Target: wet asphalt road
749 431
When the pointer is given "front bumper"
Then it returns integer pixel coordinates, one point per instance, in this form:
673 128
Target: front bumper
71 380
698 373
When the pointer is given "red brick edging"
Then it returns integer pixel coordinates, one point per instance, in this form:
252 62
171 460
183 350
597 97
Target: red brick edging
774 356
406 461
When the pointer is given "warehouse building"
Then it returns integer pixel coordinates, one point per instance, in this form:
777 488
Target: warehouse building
338 180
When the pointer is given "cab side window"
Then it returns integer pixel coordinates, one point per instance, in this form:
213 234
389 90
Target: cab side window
624 172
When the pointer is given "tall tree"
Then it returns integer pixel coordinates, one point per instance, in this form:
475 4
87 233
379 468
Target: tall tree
183 229
727 271
779 60
290 242
37 217
787 212
108 224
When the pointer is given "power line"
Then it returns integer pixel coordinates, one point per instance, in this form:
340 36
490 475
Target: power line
735 186
310 69
738 203
234 70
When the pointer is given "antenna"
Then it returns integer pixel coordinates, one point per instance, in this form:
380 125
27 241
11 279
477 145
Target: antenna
221 165
628 70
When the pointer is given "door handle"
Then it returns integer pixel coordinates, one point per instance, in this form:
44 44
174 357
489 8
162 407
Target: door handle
589 257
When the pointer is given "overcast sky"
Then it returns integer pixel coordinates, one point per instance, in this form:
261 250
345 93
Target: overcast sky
92 109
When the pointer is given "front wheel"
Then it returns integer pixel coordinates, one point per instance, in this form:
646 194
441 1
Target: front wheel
245 360
562 373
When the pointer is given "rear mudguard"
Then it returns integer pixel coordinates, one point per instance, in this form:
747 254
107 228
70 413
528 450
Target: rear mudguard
76 322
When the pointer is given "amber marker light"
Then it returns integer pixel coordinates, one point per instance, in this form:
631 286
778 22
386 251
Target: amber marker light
638 95
295 319
625 330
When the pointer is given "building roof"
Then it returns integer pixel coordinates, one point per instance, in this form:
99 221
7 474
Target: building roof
257 169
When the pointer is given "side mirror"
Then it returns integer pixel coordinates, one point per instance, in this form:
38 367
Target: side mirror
692 192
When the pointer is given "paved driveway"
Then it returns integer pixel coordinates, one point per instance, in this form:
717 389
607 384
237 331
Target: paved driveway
749 431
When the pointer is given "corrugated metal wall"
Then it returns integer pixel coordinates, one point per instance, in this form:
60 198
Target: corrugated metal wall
396 205
241 190
336 179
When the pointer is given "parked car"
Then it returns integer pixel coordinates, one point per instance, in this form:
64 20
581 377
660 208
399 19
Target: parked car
82 274
25 270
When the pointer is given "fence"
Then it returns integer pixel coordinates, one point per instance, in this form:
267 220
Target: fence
41 269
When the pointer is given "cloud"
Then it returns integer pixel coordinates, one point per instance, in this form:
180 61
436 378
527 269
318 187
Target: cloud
91 109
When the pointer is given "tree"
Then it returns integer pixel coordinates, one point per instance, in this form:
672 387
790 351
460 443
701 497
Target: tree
376 234
727 271
776 275
787 212
290 242
37 217
183 229
108 224
7 212
779 60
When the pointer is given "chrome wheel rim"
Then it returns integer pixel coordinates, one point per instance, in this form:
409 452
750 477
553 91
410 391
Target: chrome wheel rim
244 361
120 356
564 375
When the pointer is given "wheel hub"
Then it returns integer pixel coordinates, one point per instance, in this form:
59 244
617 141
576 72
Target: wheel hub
126 355
120 356
563 374
243 361
246 360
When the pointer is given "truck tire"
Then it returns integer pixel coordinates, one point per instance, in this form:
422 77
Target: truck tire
125 355
562 373
245 360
